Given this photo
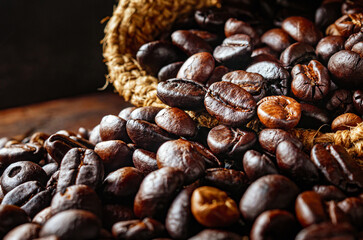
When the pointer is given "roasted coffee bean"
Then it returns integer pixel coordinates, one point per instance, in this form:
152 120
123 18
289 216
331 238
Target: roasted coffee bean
126 112
147 135
10 217
327 13
353 208
352 40
21 172
168 71
253 83
211 19
302 30
72 224
154 55
30 196
309 209
269 139
83 141
297 53
94 136
184 156
329 192
310 82
234 26
80 166
147 228
340 101
313 116
76 197
212 207
39 137
197 67
179 221
257 165
277 39
83 133
113 213
266 193
345 122
43 216
189 42
235 51
279 112
144 161
358 101
336 215
230 104
113 127
216 235
156 192
181 93
349 7
358 48
264 51
115 154
122 184
217 75
337 166
147 113
230 142
349 24
177 122
50 168
327 231
26 231
211 38
328 46
274 224
346 68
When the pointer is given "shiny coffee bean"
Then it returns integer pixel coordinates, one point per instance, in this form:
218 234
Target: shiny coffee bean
94 136
277 39
257 165
43 216
234 26
147 228
309 209
156 192
113 128
212 207
353 208
115 154
154 55
181 93
21 172
168 71
264 51
358 101
313 116
211 19
211 38
336 215
230 104
216 235
39 137
177 122
327 13
189 42
113 213
10 217
274 225
349 24
217 75
297 53
293 162
50 168
147 113
329 192
352 40
197 67
230 142
80 166
327 231
235 51
339 102
126 112
266 193
144 161
302 30
328 46
345 122
24 232
279 112
83 141
269 139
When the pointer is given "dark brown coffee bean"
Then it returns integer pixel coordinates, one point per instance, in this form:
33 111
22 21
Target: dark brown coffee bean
211 38
277 39
297 53
230 104
211 19
212 207
358 101
349 24
94 136
72 224
26 231
168 72
234 26
43 216
154 55
113 128
257 165
336 214
266 193
313 116
115 154
352 40
329 192
144 161
270 138
328 46
327 13
40 137
216 235
50 168
230 142
177 122
181 93
345 122
83 141
264 51
147 228
147 135
253 83
279 112
21 172
274 224
216 75
157 191
327 231
235 51
10 217
189 42
353 208
147 113
309 209
197 67
80 166
340 101
126 112
302 30
113 213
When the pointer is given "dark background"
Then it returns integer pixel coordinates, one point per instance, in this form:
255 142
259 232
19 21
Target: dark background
50 49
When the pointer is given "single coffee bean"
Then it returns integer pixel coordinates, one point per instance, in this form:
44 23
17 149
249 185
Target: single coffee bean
328 46
197 67
327 231
126 112
310 82
234 26
168 71
230 104
339 102
336 215
43 216
277 39
147 228
266 193
177 122
113 213
274 224
313 116
181 93
216 235
358 101
353 208
302 30
113 128
189 42
10 217
50 168
156 192
211 19
24 232
257 165
211 38
212 207
327 13
144 161
94 136
297 53
345 122
329 192
265 51
349 24
147 113
309 209
269 139
217 75
279 112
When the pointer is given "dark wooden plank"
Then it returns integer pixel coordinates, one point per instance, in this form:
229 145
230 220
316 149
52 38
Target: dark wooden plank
69 113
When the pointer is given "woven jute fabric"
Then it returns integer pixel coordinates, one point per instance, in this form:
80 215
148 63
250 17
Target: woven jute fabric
135 22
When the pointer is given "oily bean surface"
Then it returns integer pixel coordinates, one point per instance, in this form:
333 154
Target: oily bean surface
144 161
257 165
189 42
310 209
302 30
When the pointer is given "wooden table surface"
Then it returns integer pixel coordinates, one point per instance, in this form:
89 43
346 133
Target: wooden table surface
68 113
